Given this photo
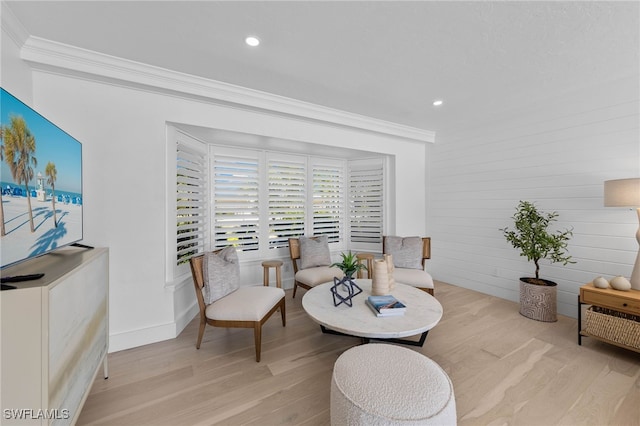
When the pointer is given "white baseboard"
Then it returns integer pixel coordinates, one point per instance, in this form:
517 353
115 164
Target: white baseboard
140 337
186 317
145 336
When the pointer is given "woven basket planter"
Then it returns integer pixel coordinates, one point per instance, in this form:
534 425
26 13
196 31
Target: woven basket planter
614 326
538 302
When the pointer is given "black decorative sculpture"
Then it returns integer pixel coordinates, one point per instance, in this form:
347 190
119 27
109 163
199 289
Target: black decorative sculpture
349 290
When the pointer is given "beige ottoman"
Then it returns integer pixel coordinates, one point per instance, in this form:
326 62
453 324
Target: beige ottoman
381 384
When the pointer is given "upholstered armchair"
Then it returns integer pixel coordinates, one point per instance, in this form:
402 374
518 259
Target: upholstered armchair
224 303
409 258
310 257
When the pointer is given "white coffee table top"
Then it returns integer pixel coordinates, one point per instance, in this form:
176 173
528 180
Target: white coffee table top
423 312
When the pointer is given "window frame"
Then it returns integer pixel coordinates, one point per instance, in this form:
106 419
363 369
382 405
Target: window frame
290 165
237 155
359 166
210 150
175 270
335 200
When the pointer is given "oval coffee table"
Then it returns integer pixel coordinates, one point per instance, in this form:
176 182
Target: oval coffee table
423 313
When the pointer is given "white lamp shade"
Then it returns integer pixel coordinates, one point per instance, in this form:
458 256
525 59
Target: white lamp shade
622 193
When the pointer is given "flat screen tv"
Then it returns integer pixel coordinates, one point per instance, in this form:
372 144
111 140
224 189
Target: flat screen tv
41 182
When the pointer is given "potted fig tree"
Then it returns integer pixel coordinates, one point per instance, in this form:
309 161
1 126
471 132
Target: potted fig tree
536 242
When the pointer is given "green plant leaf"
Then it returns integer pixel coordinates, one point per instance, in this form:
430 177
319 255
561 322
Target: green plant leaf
532 237
349 264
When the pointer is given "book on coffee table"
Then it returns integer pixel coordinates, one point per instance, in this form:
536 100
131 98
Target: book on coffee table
386 305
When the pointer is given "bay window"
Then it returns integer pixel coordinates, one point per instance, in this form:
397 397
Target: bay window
255 200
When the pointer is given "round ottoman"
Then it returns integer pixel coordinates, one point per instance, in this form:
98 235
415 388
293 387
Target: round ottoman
381 384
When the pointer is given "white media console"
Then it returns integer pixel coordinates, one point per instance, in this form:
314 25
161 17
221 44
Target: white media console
55 333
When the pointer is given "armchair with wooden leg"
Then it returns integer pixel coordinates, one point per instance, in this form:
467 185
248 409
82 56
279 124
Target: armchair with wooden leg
311 262
246 307
409 257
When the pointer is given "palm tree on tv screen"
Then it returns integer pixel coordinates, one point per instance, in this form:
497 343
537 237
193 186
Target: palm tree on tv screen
20 145
2 230
52 174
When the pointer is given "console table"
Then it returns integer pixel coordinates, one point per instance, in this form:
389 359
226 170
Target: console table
55 333
621 301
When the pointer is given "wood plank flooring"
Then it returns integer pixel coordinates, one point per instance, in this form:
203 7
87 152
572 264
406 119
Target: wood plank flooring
506 370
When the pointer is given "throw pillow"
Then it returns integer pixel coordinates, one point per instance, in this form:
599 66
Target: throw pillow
221 272
314 252
406 252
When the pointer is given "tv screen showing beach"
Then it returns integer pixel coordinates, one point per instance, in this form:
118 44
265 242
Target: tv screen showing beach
41 182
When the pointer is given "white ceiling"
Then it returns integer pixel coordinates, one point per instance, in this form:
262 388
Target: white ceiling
384 59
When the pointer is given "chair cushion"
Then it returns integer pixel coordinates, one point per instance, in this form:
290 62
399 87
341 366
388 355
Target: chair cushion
413 277
314 252
245 304
221 274
319 275
406 252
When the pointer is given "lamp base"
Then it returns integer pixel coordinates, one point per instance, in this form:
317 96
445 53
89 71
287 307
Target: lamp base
635 275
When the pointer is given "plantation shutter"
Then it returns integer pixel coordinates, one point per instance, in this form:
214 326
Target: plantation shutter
235 197
328 200
366 184
191 199
287 199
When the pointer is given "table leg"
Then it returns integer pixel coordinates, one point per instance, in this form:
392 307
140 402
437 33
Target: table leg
105 367
419 343
278 277
579 322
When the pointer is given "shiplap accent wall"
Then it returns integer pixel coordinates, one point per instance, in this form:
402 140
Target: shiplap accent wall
556 153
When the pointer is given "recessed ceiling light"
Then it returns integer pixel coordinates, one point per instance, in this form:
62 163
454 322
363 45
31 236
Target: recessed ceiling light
437 102
252 41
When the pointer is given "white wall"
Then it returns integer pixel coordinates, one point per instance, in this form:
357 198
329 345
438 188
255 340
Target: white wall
122 127
15 75
557 153
123 135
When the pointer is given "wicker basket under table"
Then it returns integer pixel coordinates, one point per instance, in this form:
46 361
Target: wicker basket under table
614 326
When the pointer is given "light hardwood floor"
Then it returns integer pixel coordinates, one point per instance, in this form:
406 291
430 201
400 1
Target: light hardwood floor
506 370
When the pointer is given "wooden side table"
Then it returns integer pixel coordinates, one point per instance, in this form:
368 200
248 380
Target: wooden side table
621 301
272 264
369 258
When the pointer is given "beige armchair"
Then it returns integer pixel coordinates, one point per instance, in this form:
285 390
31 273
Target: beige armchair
412 276
246 307
310 277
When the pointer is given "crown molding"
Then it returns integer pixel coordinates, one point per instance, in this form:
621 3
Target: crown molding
65 59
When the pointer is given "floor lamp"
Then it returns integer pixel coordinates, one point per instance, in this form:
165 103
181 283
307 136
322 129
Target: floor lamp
626 193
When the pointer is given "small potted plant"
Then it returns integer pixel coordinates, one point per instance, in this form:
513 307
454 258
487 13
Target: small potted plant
349 264
535 242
